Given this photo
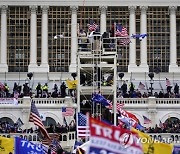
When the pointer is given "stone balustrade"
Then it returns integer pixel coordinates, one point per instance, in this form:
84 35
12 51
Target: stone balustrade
128 101
166 137
67 139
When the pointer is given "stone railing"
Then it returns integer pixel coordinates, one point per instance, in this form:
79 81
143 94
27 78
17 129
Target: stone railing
150 100
128 101
166 137
66 139
43 101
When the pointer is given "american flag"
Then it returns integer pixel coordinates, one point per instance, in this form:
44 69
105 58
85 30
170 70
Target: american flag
92 26
168 83
121 31
119 106
35 118
146 120
67 111
82 128
141 86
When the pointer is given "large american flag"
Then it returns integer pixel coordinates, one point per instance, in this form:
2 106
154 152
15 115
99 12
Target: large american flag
121 31
67 111
35 118
92 26
82 127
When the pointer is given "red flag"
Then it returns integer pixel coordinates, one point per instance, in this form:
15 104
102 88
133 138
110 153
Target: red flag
127 114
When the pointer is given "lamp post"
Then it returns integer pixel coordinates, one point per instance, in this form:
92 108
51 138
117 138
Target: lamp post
151 76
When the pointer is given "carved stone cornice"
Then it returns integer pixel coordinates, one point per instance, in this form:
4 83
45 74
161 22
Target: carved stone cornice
45 8
74 9
4 9
143 9
25 110
132 9
103 9
172 9
33 9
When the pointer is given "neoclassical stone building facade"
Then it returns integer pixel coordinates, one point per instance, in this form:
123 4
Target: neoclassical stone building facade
28 30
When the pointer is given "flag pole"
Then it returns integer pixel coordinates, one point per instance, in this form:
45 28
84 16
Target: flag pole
87 126
76 123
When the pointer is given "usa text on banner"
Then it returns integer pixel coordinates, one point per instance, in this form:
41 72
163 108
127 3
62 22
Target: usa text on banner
25 147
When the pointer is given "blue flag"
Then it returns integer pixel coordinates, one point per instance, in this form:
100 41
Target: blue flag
25 147
176 149
98 98
76 144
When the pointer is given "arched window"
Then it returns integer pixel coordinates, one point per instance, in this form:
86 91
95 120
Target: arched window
172 120
6 119
49 121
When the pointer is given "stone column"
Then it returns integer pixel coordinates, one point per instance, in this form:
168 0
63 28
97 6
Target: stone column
73 65
132 46
173 67
33 39
152 110
103 19
143 44
26 112
3 54
44 44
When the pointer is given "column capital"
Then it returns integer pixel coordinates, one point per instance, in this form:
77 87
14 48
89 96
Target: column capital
143 9
4 8
172 9
33 8
103 9
132 8
74 9
44 8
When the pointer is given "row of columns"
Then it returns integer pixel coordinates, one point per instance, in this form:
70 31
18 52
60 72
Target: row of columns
44 67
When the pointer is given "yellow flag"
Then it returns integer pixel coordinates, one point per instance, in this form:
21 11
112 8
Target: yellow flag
151 146
71 84
6 145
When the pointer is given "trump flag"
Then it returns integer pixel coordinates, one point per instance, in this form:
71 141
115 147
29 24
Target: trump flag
106 138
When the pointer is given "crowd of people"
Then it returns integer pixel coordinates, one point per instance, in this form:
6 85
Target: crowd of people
40 91
6 127
126 91
169 126
43 91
